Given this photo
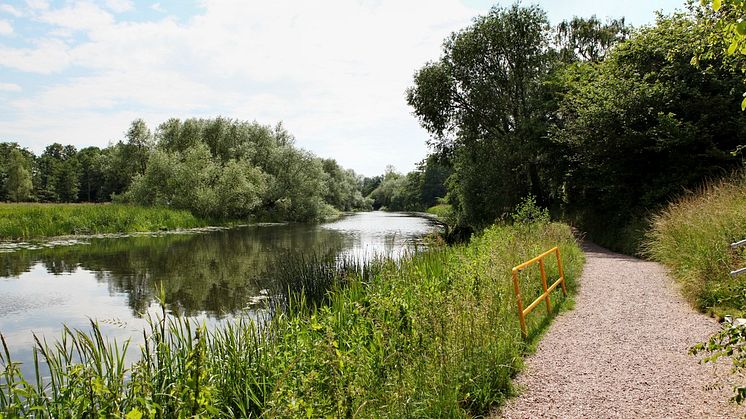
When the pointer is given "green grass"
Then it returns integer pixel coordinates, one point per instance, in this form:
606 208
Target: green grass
692 238
435 335
24 221
441 210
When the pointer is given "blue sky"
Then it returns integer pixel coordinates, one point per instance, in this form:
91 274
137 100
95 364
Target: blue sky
334 71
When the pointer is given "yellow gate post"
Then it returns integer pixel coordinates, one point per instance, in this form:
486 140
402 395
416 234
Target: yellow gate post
547 289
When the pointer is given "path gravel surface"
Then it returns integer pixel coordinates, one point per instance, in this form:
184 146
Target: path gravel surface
622 352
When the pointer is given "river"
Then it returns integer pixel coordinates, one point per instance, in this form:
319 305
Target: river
210 275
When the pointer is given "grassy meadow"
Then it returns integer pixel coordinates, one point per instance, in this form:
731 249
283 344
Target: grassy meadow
27 220
692 238
433 335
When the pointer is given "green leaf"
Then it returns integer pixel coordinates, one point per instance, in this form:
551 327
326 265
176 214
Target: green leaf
732 47
134 414
743 104
716 5
741 28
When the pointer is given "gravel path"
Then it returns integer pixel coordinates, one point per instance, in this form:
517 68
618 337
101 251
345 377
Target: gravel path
622 352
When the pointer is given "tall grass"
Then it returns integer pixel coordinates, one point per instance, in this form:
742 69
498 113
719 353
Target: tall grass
23 221
435 335
692 238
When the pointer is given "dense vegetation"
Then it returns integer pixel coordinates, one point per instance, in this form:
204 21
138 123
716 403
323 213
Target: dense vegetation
23 221
691 237
602 123
218 168
431 336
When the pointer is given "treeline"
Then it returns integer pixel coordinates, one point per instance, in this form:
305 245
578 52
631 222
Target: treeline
601 122
415 191
219 168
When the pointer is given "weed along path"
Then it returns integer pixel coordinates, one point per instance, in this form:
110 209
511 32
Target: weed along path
623 351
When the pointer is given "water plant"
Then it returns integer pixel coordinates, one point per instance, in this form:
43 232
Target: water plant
432 335
23 221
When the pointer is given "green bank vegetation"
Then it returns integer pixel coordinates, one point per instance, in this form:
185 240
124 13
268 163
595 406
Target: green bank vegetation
442 211
435 335
692 237
23 221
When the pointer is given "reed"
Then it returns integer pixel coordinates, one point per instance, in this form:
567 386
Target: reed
24 221
692 237
433 335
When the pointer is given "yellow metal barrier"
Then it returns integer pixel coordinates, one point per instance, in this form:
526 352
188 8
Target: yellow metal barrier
547 289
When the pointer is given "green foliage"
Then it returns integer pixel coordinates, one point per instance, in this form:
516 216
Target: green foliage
58 174
415 191
725 34
92 175
18 185
397 192
218 168
589 39
729 342
193 181
692 236
443 211
343 188
528 212
637 129
483 103
432 336
23 221
604 125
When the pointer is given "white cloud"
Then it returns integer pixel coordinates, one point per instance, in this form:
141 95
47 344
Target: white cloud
46 57
81 16
5 27
120 6
157 7
335 72
9 87
7 8
38 4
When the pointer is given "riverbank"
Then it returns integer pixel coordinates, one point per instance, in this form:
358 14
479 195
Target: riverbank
28 220
434 335
692 238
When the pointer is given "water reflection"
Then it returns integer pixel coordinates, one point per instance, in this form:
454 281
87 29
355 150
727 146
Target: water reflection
209 275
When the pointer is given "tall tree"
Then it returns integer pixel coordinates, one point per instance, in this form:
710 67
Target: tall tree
18 184
140 141
483 104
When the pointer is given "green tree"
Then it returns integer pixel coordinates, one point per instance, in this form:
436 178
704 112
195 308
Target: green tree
139 142
581 39
18 184
643 125
483 103
58 177
92 177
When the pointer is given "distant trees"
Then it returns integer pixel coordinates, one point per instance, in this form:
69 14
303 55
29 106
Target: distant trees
58 174
416 191
217 168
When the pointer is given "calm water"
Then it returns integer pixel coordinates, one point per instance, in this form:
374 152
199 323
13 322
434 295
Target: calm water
211 276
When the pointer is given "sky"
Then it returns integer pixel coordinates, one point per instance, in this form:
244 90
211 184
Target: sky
334 72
